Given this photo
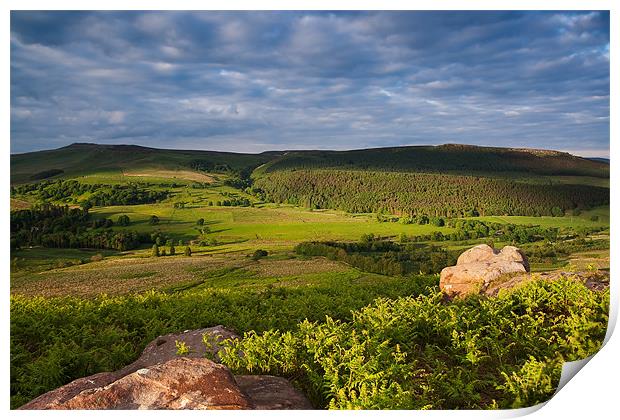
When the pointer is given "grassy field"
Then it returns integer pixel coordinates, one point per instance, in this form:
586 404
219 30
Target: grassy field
239 231
236 233
265 225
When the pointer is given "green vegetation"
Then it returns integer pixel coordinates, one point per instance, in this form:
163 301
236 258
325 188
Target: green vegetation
95 194
453 158
259 253
84 159
64 227
182 348
423 194
115 245
382 257
56 340
46 174
420 353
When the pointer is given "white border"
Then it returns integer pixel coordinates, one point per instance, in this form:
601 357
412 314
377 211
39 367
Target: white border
591 395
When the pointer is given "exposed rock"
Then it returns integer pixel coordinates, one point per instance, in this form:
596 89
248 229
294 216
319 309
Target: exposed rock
509 284
164 348
514 254
593 280
181 383
484 252
161 379
272 393
59 396
485 270
481 267
478 253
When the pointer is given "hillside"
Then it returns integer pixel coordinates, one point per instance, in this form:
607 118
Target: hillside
453 158
447 180
86 158
423 193
81 159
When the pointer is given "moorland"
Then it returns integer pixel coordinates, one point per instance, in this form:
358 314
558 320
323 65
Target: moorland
327 261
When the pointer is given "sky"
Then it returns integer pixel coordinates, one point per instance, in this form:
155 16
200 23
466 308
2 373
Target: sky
256 81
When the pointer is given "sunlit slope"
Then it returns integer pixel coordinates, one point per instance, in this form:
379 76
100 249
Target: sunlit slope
85 159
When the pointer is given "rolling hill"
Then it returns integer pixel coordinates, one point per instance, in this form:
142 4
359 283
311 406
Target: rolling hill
80 159
448 180
85 158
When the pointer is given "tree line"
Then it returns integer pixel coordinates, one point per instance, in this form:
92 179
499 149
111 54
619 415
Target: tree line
98 194
374 255
64 227
475 229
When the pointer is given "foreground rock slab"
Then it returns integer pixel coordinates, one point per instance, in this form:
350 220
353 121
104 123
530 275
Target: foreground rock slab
183 383
272 393
481 267
162 379
164 348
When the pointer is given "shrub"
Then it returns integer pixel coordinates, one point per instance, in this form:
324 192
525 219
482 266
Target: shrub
97 257
154 220
155 252
182 348
123 220
418 352
259 253
533 383
210 241
557 212
188 251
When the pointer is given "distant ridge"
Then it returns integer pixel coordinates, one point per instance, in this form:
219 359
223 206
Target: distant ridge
80 159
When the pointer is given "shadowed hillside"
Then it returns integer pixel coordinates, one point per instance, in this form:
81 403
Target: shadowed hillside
453 158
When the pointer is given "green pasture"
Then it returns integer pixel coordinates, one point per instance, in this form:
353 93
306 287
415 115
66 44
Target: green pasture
262 224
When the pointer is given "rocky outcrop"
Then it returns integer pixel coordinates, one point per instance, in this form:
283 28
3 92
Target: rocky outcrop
163 379
164 347
594 280
272 393
182 383
482 267
485 270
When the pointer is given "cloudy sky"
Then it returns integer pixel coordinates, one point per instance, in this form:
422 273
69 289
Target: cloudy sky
256 81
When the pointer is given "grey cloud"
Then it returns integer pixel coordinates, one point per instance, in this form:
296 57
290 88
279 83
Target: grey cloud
253 81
